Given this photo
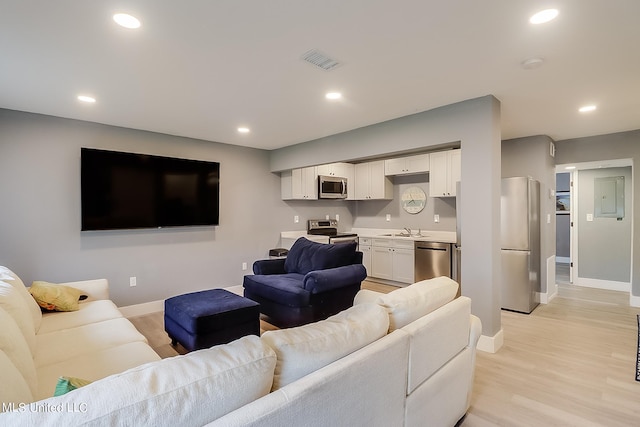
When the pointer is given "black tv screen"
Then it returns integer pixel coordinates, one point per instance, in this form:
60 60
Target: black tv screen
127 191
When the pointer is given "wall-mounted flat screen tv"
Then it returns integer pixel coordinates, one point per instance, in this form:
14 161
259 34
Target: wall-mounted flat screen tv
129 191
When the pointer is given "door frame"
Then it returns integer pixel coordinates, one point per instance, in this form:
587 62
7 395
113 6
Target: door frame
574 169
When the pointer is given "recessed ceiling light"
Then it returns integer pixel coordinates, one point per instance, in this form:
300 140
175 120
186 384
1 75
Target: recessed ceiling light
333 95
244 130
126 20
587 108
531 63
544 16
87 99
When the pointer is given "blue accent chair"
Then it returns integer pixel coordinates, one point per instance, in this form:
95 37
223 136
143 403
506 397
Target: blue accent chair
313 282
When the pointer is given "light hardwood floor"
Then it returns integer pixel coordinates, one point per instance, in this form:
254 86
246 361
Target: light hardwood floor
569 363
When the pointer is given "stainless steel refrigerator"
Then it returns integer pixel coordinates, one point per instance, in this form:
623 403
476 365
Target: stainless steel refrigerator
520 243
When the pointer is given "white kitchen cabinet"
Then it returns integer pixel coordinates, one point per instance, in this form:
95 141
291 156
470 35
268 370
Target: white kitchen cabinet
342 170
364 246
371 182
407 165
445 172
392 259
299 184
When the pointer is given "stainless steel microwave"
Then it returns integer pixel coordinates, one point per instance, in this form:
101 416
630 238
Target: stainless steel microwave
332 187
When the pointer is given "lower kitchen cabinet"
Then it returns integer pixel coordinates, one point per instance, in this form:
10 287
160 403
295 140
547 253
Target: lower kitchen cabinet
392 259
364 246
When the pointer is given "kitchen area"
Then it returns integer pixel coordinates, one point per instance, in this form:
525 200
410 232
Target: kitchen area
401 211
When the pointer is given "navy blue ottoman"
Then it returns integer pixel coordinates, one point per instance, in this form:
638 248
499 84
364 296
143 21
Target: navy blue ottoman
203 319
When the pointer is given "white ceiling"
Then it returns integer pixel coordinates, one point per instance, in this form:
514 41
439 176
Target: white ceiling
201 68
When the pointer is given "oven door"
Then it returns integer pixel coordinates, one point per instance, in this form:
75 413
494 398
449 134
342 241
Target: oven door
343 239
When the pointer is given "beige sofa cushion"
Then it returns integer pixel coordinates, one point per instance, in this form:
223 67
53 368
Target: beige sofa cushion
408 304
13 344
94 366
307 348
189 390
64 344
14 388
17 308
441 334
12 278
88 313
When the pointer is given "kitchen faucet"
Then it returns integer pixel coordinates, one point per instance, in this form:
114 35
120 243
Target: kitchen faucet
408 230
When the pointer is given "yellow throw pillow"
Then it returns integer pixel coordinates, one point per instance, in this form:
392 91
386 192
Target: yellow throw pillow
55 297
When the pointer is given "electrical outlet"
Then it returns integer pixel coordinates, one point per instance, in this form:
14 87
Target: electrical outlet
337 217
132 281
326 216
296 219
436 218
244 266
388 217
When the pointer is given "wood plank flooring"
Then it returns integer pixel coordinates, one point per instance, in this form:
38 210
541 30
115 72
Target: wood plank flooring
569 363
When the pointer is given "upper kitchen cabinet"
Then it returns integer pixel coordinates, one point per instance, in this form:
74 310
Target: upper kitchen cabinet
445 172
341 170
299 184
371 181
407 165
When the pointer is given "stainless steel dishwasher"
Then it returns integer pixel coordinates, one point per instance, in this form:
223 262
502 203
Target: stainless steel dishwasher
432 259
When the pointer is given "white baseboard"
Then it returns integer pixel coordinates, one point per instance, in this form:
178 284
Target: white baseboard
546 298
634 301
156 306
491 344
142 309
602 284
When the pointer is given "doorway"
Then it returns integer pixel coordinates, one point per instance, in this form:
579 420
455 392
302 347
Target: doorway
593 224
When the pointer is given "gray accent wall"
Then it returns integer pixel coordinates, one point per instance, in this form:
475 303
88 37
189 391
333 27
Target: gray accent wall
475 126
40 212
622 145
604 244
531 157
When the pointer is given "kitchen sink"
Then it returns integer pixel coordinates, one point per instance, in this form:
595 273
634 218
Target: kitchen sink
403 235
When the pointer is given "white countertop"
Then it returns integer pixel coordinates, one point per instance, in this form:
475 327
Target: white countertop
425 235
383 233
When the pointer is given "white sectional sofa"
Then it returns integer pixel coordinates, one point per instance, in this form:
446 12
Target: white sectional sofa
36 349
401 359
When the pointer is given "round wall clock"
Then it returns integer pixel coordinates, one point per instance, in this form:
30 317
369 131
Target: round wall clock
413 200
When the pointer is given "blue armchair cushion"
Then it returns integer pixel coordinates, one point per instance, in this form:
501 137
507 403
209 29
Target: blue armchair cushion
334 278
305 256
287 289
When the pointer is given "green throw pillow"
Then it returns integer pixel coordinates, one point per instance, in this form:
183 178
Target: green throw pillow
55 297
67 384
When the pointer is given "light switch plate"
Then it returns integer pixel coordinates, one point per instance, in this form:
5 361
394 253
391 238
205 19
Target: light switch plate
589 217
388 217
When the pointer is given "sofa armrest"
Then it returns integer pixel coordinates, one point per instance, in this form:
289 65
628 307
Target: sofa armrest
475 331
333 278
366 296
269 266
96 289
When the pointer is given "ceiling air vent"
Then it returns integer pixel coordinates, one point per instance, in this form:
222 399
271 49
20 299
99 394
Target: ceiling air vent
320 60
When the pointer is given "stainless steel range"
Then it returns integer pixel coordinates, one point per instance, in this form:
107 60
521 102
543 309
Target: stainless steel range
329 227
